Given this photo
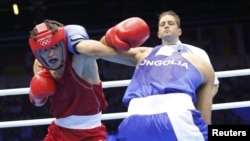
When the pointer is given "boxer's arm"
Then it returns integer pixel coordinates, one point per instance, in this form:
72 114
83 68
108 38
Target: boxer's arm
98 50
130 57
204 93
79 43
205 56
127 34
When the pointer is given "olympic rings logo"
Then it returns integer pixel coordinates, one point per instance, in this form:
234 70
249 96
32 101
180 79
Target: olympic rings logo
45 41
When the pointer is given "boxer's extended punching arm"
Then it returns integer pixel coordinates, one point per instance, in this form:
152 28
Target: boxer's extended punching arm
129 33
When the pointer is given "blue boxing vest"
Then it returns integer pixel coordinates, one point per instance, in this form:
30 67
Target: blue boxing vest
164 71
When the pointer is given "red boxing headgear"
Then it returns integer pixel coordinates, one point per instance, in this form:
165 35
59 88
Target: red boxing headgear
46 39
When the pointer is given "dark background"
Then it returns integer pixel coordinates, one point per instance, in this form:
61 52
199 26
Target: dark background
98 15
220 27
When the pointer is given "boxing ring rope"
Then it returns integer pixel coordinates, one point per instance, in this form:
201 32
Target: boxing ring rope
120 83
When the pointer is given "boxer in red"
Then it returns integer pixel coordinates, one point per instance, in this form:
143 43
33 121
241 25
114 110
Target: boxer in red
66 74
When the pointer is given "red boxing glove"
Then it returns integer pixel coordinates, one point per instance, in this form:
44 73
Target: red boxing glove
129 33
42 85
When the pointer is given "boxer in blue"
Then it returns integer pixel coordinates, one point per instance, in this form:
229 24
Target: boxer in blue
169 97
171 92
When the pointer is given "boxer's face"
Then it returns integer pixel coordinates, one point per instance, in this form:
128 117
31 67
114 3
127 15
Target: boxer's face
168 28
53 57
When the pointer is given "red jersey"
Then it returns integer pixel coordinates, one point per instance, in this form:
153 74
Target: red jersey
74 96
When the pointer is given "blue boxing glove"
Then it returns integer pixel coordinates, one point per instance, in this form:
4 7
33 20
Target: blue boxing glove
75 34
